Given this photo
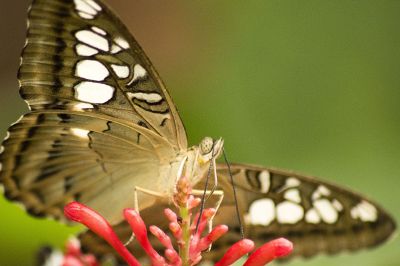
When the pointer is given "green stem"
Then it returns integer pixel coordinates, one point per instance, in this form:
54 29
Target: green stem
184 247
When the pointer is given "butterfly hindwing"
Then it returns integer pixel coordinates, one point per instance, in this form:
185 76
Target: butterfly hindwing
316 215
53 157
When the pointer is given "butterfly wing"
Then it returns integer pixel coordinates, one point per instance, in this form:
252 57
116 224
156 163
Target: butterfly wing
101 121
315 215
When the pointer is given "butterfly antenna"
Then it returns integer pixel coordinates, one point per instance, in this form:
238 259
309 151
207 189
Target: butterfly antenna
234 193
203 197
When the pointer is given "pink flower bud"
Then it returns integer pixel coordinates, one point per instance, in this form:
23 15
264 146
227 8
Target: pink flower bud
173 257
164 239
235 252
95 222
140 231
216 233
274 249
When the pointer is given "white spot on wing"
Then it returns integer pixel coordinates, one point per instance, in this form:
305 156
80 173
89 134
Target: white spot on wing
320 191
93 39
338 206
99 30
364 211
289 212
312 216
138 73
84 50
326 210
121 42
261 212
82 133
292 182
93 92
121 71
82 106
265 180
94 5
92 70
85 15
1 149
84 7
115 49
293 195
150 97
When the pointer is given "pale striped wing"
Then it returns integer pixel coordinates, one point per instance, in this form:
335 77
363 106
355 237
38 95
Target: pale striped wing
101 121
319 217
53 157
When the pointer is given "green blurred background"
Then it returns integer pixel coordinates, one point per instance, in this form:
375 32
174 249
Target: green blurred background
312 86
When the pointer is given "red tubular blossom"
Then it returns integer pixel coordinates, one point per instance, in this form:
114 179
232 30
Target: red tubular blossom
235 252
70 260
176 230
140 231
216 233
184 230
171 215
193 202
164 239
173 257
80 213
274 249
207 214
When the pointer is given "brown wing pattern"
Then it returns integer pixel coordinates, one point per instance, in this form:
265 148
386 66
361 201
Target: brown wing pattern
319 217
78 55
53 157
101 120
316 215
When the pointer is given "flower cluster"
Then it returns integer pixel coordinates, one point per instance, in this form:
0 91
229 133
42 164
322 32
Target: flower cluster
187 233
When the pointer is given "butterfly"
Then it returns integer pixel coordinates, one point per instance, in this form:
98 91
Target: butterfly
102 125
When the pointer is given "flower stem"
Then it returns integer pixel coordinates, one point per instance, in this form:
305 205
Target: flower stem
184 247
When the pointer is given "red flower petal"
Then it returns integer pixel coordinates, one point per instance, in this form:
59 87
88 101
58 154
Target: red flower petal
173 257
80 213
164 239
216 233
235 252
274 249
140 231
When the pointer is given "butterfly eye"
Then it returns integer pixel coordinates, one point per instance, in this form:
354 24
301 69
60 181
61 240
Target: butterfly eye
206 145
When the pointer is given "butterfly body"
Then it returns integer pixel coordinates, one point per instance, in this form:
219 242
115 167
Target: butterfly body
101 124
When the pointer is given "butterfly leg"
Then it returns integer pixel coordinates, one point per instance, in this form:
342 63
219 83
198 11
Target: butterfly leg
136 204
145 191
220 196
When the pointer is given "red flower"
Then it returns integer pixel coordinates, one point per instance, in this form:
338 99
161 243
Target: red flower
187 233
95 222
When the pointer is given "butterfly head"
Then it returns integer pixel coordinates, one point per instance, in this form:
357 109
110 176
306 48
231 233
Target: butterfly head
210 148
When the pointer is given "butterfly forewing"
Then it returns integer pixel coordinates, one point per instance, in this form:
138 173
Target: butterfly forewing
79 56
101 121
316 215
